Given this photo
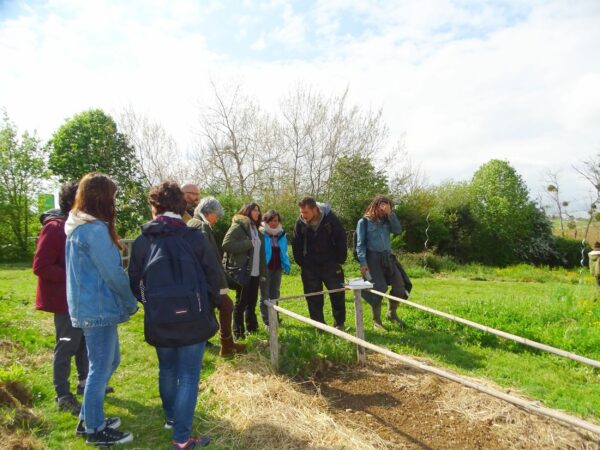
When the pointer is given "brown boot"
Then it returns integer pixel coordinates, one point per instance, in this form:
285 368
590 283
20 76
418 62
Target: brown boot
230 348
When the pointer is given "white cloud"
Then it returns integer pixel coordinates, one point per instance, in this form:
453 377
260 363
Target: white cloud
464 85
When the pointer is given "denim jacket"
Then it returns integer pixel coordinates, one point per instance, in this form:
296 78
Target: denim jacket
376 234
98 291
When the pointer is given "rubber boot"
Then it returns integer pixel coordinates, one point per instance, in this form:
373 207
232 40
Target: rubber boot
230 348
377 317
392 315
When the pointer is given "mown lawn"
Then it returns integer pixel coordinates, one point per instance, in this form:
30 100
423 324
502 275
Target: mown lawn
556 307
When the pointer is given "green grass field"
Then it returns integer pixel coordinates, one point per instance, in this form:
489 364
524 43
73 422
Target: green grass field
556 307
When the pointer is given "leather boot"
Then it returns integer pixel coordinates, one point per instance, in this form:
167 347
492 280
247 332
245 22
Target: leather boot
230 348
392 315
377 317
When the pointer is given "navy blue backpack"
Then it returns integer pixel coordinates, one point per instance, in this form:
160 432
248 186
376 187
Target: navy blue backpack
173 284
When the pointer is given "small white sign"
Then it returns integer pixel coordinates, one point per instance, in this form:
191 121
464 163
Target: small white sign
359 283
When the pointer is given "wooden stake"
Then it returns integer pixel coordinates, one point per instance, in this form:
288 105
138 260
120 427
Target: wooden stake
360 327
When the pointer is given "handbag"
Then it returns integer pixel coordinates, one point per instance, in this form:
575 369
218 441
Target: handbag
237 277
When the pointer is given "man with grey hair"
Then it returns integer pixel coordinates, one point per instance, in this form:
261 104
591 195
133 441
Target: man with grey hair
191 193
207 214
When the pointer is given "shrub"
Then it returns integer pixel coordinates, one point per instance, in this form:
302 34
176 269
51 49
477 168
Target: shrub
570 252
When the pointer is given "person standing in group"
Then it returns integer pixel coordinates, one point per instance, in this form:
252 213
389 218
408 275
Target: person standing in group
319 247
374 253
245 257
277 259
51 296
191 194
99 298
206 216
174 272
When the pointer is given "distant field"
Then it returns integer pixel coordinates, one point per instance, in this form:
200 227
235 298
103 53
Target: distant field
579 231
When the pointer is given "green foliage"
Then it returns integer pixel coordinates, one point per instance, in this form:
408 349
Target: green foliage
421 222
90 142
569 252
539 246
429 261
21 169
352 186
500 201
509 227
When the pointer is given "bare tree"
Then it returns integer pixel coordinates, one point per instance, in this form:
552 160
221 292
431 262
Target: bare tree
247 151
405 177
316 131
157 155
590 170
553 190
236 143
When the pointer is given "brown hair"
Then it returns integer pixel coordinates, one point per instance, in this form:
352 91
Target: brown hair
246 210
270 215
167 196
371 211
307 201
96 196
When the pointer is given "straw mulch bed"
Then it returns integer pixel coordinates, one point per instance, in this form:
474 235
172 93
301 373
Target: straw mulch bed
384 405
417 410
254 408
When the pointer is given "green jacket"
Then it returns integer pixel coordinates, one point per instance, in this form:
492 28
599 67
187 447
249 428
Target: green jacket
201 224
237 244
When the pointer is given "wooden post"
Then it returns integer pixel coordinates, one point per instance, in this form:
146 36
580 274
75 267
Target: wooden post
360 328
273 338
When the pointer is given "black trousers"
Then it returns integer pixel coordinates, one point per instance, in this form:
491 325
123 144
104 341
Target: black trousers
385 273
245 308
69 342
313 279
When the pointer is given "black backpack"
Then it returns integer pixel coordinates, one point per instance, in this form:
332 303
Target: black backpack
173 284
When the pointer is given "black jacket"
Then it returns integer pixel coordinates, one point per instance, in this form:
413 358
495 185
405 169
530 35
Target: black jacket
186 333
323 246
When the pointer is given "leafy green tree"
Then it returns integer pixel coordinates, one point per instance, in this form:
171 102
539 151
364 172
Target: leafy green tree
91 142
504 214
453 207
21 168
422 222
354 183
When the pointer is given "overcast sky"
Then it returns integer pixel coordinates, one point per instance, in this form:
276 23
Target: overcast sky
460 82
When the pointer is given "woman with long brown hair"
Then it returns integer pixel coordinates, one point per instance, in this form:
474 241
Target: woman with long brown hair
374 252
245 253
99 298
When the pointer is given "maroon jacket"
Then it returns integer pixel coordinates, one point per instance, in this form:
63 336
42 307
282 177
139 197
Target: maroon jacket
49 264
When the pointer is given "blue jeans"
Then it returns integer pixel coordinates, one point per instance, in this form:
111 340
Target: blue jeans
103 353
178 377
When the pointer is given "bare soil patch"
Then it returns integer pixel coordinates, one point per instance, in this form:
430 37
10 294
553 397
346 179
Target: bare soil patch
411 409
383 405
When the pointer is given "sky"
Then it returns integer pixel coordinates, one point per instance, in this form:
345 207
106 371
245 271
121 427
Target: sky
459 82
